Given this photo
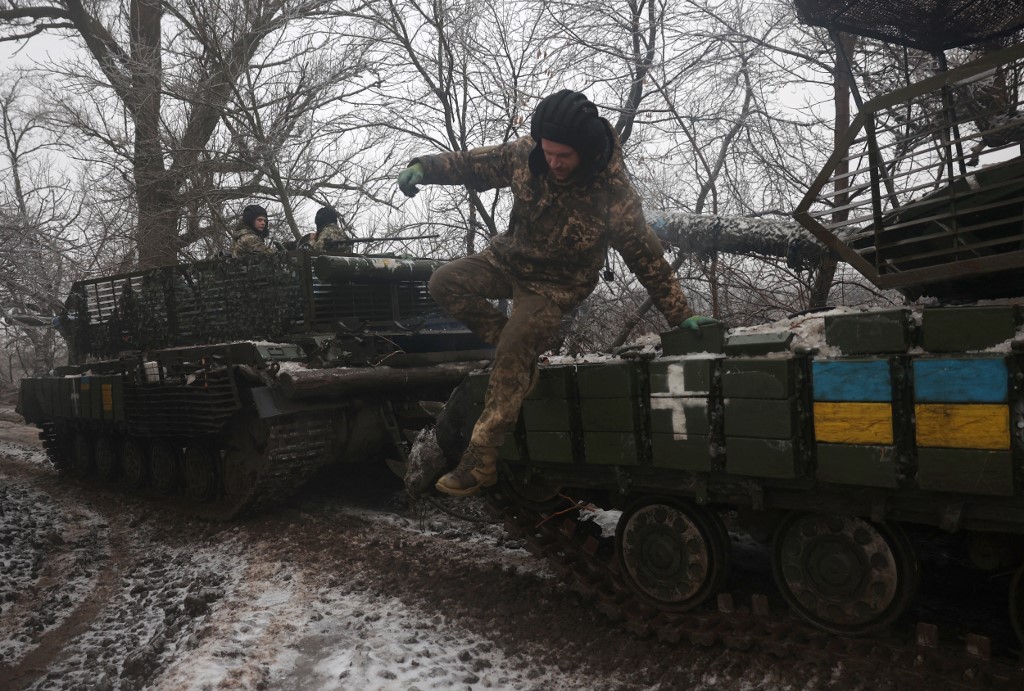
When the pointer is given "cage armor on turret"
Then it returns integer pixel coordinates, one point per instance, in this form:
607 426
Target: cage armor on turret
229 383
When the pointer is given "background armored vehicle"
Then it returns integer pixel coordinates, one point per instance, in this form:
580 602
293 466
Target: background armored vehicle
232 381
849 438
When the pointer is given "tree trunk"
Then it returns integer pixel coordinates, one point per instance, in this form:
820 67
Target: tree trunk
156 234
826 269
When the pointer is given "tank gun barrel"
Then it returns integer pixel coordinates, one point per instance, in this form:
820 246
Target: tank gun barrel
341 269
301 384
33 320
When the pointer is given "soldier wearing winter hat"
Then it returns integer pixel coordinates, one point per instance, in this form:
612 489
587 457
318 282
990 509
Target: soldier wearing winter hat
250 235
329 235
572 200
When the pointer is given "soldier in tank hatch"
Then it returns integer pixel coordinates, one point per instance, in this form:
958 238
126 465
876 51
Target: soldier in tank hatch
250 235
329 235
572 199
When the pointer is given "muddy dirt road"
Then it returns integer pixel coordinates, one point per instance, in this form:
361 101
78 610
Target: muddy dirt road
346 588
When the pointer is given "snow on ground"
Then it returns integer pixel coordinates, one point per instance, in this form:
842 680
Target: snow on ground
36 594
139 610
339 637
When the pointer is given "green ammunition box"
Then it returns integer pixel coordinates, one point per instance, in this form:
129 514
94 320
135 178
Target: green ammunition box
956 329
680 415
616 379
761 418
554 382
869 333
691 453
509 451
965 471
759 378
758 343
546 416
861 465
763 458
610 414
707 339
683 377
610 448
478 386
549 447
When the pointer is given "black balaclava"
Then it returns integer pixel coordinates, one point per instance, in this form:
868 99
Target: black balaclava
249 216
568 117
325 217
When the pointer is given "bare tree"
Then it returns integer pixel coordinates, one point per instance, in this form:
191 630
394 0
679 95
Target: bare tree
162 78
38 239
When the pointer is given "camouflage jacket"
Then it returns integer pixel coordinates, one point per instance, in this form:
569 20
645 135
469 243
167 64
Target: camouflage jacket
246 241
558 234
332 233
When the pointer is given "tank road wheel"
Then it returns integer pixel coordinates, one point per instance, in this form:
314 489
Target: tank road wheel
1017 603
200 473
844 574
163 467
106 453
134 463
82 459
529 489
674 554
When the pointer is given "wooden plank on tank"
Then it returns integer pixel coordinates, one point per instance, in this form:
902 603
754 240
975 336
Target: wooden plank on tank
763 458
765 419
853 423
870 466
963 426
960 380
851 380
966 471
681 451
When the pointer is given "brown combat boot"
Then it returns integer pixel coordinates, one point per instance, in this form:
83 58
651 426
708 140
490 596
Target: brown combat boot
478 468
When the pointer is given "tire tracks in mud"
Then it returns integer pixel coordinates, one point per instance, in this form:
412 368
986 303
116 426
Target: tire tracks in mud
81 530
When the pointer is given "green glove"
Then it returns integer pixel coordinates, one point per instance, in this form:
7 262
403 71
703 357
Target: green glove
696 322
409 178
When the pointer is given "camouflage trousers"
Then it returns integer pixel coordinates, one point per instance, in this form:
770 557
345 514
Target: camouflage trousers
464 288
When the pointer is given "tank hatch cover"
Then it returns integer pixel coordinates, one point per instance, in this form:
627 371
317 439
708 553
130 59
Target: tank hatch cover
931 25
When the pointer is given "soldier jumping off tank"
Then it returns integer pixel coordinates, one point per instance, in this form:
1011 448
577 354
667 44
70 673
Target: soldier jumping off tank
572 199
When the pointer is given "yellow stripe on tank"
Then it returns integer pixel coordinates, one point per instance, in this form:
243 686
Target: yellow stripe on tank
963 425
853 423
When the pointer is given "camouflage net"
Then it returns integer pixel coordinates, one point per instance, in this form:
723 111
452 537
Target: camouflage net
931 25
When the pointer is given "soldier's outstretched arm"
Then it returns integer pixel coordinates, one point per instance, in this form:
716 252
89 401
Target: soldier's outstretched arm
483 168
642 251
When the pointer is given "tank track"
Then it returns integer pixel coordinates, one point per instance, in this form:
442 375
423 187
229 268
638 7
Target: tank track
294 450
587 563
